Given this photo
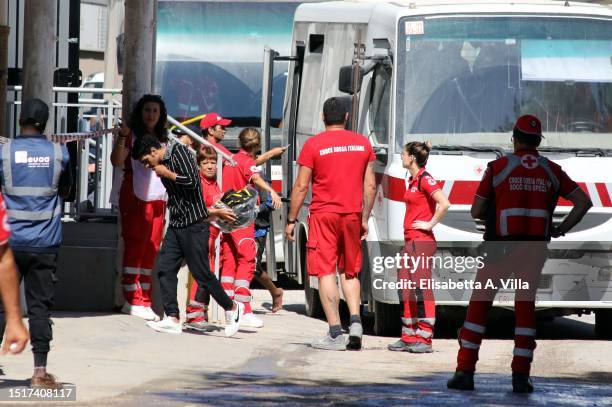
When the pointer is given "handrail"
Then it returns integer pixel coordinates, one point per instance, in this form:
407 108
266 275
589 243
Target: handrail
61 104
192 120
200 139
68 89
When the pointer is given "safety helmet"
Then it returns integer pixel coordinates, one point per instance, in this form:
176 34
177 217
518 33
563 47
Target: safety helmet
244 205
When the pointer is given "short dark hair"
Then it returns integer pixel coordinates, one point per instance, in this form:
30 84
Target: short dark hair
35 113
334 111
206 153
143 146
530 140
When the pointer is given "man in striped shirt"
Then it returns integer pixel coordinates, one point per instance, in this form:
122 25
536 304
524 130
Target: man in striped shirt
187 235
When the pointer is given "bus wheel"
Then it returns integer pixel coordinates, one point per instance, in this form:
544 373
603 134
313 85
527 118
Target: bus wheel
603 323
314 308
386 319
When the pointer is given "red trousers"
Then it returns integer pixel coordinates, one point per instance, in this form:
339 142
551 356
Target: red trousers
519 260
142 228
238 252
419 303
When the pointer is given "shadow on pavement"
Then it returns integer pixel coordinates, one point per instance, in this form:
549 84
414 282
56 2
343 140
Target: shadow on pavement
228 389
84 314
297 308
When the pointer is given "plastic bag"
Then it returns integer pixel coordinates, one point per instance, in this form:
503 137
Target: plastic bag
244 205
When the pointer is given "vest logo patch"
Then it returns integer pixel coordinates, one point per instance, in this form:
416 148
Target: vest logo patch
529 161
21 157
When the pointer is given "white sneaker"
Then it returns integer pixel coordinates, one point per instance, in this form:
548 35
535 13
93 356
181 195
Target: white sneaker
140 311
233 319
249 320
166 325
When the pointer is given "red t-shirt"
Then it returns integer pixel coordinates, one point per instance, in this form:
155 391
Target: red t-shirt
338 160
5 230
211 193
420 206
222 148
239 176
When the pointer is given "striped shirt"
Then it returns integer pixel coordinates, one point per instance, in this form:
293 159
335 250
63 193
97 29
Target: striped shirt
185 202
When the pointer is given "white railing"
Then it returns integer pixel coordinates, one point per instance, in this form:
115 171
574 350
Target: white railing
94 172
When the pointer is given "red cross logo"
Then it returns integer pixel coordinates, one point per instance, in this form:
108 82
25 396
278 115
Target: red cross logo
529 161
478 169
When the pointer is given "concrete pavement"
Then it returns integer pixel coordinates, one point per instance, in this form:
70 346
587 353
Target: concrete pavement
115 359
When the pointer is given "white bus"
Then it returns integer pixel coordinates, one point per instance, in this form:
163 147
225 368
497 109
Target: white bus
459 74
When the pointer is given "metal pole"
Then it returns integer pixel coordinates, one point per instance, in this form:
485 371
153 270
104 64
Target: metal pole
74 33
4 34
356 81
107 178
83 175
139 32
266 107
214 310
39 56
72 118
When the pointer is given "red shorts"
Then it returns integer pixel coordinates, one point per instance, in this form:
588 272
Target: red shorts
334 239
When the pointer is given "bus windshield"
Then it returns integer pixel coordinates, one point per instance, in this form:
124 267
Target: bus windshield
465 80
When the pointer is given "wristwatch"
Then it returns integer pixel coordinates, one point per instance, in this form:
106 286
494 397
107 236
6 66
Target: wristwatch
291 222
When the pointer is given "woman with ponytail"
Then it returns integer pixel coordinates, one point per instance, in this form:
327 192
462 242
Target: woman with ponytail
426 205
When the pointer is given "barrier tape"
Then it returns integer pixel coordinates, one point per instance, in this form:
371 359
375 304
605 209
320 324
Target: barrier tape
69 137
63 138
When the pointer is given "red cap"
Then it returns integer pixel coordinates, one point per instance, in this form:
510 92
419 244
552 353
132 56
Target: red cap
529 124
212 119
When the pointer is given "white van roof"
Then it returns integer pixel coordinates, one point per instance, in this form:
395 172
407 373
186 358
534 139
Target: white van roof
361 11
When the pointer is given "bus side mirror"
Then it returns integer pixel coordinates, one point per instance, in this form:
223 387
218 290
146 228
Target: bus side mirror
346 82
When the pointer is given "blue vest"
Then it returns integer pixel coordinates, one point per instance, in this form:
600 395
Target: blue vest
31 167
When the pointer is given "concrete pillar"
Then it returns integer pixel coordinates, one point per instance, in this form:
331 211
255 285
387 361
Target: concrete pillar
4 34
140 20
115 22
139 35
112 80
39 42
